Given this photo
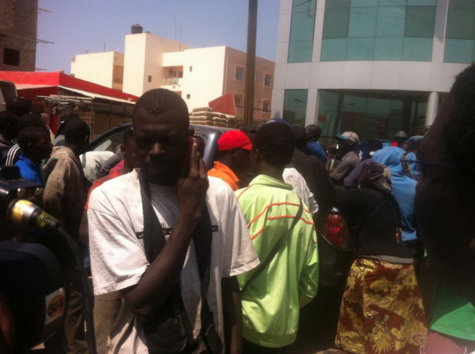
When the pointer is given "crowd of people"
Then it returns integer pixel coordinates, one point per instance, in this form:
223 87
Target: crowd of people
185 260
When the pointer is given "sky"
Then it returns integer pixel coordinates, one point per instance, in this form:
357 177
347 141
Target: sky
80 26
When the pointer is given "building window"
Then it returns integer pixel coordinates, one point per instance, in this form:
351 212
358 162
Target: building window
170 72
191 69
180 74
149 79
188 96
239 73
11 57
267 80
265 106
370 115
295 106
378 30
460 34
238 101
302 27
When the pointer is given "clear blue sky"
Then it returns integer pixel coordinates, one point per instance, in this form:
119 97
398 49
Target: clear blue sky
79 25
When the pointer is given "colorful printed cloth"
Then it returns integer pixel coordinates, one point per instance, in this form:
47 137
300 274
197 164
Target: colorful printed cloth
381 310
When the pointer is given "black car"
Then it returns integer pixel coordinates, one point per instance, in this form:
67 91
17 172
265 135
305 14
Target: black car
111 140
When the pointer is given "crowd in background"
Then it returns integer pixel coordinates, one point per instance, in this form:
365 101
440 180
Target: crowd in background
234 253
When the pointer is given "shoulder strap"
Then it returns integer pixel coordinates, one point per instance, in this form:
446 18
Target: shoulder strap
154 241
275 249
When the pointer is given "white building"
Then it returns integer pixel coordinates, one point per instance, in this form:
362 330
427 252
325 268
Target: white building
371 66
106 69
199 75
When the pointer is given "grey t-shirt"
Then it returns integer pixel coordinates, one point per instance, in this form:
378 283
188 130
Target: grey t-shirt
345 166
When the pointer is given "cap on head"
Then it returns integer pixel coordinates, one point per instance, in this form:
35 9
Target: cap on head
351 136
234 139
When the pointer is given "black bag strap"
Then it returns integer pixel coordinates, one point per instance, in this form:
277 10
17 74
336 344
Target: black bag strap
275 249
154 241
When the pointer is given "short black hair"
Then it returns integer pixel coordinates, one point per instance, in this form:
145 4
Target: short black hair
30 135
276 143
158 101
18 105
30 120
63 119
314 131
300 134
76 131
459 131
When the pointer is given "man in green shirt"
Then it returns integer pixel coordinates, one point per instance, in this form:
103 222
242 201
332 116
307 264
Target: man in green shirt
273 293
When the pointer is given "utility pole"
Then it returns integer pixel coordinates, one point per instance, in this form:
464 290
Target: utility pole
250 63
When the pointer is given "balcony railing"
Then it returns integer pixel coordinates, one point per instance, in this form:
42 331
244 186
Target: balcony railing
171 81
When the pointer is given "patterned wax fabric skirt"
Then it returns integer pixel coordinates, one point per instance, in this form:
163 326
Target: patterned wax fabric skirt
381 310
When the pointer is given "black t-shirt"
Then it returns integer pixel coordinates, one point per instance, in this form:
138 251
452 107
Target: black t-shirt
377 236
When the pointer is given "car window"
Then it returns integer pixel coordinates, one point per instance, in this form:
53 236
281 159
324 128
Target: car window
111 143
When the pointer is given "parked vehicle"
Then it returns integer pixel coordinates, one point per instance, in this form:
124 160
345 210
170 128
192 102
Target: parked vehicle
7 91
111 140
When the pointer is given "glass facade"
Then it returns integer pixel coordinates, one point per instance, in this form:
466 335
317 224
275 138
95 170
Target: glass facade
378 30
302 27
295 106
369 115
460 33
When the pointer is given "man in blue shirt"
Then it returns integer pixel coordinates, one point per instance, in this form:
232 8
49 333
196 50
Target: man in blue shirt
313 147
35 143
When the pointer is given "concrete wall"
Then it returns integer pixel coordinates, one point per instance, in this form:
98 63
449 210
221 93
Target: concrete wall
104 69
18 32
144 59
418 77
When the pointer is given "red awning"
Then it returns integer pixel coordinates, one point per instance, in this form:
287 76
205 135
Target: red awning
59 79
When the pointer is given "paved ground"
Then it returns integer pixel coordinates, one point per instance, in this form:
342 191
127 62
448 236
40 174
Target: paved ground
318 322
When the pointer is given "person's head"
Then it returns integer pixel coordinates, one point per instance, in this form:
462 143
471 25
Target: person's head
273 147
445 191
30 120
161 131
300 134
35 143
234 152
18 106
375 176
63 119
128 149
374 145
200 139
348 141
8 125
313 132
76 135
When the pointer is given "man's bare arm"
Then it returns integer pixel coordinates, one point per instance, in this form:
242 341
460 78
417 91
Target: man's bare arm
232 312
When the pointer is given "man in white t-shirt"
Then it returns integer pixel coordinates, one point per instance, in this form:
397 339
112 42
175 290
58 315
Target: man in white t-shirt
178 188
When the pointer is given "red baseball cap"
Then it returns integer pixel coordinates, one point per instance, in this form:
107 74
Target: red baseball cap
234 139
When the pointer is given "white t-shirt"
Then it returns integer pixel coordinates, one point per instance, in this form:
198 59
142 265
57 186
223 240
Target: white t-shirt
118 258
293 177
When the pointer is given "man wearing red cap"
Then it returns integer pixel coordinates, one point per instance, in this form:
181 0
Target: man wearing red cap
234 151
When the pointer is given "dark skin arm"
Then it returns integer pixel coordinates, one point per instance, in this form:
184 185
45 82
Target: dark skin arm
83 228
232 312
147 297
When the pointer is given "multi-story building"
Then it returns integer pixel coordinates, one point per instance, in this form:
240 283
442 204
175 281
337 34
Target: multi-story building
199 75
106 69
18 29
371 66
